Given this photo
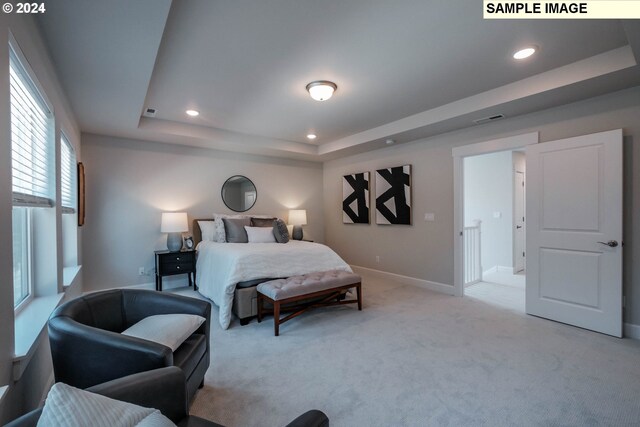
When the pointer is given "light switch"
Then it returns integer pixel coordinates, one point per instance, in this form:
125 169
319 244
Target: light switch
429 217
497 214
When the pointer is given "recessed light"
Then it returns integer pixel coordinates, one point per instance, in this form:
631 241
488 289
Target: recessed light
312 136
192 113
390 141
525 53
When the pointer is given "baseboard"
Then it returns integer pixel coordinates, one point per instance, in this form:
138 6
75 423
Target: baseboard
421 283
632 331
497 268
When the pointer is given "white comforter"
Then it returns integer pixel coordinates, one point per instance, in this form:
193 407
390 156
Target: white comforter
221 265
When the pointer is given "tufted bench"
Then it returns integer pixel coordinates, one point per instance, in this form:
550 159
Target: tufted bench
326 288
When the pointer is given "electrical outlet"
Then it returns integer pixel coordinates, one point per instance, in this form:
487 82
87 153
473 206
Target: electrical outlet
141 271
429 217
377 258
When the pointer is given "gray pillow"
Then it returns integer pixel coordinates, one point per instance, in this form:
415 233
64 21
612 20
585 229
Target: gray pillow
262 222
280 231
234 229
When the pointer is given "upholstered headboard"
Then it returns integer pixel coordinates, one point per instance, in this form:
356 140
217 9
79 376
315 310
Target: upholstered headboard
197 233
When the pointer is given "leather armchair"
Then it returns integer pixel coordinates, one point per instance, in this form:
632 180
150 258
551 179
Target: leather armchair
163 389
88 348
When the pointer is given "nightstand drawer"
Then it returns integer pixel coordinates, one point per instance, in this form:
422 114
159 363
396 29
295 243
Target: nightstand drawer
176 267
178 257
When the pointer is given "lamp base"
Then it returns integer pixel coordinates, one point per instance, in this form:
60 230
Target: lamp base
297 232
174 242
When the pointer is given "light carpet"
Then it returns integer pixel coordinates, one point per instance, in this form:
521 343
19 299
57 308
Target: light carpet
414 357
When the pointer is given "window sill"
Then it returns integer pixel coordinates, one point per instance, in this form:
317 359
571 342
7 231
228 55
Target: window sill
29 324
69 274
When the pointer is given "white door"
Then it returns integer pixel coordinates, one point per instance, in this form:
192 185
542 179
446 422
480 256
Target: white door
518 222
574 231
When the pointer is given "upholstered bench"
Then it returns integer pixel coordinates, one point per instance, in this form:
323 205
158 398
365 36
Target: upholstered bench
320 289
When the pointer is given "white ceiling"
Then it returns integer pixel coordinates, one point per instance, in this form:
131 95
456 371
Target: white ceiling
405 69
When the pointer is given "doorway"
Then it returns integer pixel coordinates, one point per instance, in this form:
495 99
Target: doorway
494 225
499 269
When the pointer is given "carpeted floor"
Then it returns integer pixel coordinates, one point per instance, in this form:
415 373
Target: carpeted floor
414 357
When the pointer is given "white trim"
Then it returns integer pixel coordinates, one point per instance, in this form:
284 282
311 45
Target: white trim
3 392
459 153
496 145
421 283
632 331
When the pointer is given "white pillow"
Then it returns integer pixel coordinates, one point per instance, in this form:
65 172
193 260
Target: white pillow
207 229
69 406
260 234
166 329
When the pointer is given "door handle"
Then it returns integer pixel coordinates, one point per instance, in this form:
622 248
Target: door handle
610 243
518 226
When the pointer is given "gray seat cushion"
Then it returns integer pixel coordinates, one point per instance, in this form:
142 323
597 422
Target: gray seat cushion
294 286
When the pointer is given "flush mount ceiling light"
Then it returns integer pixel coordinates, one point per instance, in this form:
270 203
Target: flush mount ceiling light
192 113
312 136
525 53
321 90
390 141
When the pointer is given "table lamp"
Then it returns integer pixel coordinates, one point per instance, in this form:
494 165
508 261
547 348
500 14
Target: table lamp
174 223
297 218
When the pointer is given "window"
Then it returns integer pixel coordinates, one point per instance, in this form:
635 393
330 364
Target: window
67 176
21 256
31 168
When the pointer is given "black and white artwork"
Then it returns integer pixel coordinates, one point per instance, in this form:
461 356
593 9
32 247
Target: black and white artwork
355 198
393 195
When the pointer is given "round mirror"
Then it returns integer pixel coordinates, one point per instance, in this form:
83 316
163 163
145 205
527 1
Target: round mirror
239 193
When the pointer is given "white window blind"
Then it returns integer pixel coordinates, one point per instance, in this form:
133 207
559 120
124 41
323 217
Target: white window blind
67 176
32 176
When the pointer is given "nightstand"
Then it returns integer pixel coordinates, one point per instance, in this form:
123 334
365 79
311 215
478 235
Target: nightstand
172 263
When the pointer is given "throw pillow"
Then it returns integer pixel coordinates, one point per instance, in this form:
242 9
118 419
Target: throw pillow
280 231
262 222
69 406
166 329
234 229
260 234
207 229
219 231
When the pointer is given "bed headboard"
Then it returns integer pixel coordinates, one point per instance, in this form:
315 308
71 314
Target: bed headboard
197 233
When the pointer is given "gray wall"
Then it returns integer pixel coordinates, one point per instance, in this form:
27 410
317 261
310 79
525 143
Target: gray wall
425 249
488 188
129 183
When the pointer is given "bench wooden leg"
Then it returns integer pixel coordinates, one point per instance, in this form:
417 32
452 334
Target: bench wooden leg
259 308
276 317
359 294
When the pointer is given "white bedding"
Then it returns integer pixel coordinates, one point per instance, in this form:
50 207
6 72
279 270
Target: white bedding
222 265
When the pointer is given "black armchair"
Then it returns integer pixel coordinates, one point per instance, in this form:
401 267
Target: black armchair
88 348
163 389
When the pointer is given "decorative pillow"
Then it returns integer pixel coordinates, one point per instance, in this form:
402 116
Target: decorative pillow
260 234
69 406
166 329
219 234
262 222
207 229
234 229
156 419
280 231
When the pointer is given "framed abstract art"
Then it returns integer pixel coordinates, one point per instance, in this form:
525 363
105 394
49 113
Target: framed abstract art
393 195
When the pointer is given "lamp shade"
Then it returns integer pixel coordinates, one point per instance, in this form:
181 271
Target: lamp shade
174 222
298 217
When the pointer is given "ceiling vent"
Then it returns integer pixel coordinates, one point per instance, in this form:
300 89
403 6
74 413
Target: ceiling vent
150 112
489 119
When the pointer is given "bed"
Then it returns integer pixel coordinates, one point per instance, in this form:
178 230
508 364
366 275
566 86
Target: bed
230 271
